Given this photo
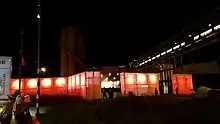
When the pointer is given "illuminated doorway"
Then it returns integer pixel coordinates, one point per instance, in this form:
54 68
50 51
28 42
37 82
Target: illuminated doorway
110 84
165 82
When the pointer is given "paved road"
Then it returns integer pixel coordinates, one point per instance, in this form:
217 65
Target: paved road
42 110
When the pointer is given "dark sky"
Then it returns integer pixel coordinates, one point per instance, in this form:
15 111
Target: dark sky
115 33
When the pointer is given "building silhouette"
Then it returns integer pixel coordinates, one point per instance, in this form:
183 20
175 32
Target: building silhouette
72 51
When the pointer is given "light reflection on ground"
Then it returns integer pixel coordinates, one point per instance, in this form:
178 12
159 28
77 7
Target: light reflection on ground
43 110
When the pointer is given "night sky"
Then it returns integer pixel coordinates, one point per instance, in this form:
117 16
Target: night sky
114 33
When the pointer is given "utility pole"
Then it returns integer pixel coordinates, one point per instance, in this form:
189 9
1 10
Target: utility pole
20 60
38 57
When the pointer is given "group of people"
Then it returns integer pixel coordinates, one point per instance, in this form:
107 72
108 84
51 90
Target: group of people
17 109
108 93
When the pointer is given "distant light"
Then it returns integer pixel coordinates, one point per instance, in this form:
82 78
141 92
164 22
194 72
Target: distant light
106 79
189 35
38 16
210 25
43 69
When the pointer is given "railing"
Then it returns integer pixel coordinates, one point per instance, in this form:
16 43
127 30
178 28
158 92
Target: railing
211 31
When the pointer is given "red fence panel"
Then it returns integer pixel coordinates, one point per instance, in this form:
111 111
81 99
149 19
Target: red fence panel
139 83
182 82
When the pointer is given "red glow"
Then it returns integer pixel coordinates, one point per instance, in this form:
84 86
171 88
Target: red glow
60 82
141 79
183 82
88 84
15 84
47 82
32 83
153 78
139 83
82 79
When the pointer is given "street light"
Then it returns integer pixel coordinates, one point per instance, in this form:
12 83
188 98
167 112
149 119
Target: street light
43 69
38 58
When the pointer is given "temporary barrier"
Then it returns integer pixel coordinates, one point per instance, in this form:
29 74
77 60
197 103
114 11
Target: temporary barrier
182 83
139 83
88 84
93 90
14 85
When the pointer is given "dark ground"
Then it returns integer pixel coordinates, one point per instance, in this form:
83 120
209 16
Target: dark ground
133 110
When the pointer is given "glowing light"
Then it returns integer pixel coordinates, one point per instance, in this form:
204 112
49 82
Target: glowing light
77 80
15 84
106 79
83 81
46 82
141 78
32 83
153 78
43 69
60 82
73 81
110 84
38 16
130 78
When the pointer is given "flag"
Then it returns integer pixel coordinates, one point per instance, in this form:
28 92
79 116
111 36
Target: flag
22 61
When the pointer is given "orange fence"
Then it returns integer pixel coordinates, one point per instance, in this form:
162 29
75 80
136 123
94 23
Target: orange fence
139 83
88 84
49 86
182 82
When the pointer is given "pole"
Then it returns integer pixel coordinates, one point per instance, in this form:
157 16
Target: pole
181 62
20 58
38 58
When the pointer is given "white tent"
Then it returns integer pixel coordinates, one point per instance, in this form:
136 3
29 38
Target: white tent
202 92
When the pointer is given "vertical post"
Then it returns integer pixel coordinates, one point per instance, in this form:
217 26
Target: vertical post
20 60
38 57
181 61
174 62
125 88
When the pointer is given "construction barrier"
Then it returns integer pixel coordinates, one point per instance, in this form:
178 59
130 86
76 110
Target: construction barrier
139 83
88 84
182 83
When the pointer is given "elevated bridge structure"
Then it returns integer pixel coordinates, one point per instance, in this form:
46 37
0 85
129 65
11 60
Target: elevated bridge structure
194 50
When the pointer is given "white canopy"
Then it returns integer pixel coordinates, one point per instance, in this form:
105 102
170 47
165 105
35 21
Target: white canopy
202 91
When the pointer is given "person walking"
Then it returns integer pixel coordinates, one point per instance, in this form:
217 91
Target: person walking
27 102
19 109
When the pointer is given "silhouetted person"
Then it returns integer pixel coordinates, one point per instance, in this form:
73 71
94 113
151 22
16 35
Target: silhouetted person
111 93
27 102
192 92
104 93
177 91
19 109
156 92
